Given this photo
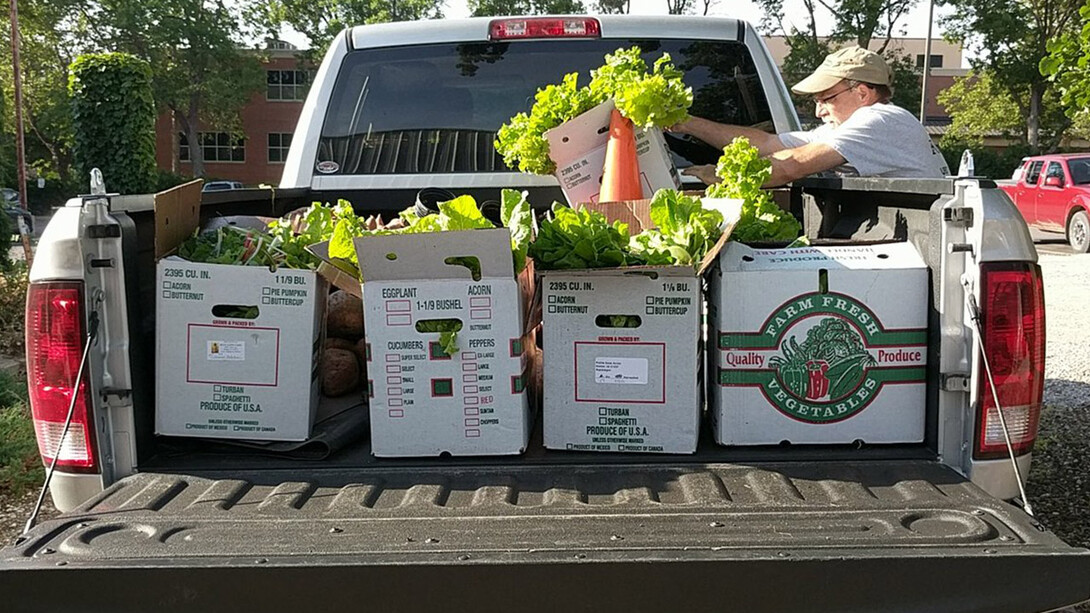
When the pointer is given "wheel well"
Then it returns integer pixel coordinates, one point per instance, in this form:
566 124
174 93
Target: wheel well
1071 213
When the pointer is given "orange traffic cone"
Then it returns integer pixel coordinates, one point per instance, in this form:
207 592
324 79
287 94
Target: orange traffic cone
621 173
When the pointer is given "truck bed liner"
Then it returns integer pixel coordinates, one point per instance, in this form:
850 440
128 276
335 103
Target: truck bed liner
883 535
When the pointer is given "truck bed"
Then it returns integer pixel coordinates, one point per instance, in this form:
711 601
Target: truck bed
894 535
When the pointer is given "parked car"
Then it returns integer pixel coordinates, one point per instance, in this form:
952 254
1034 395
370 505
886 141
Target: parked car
12 209
1053 194
221 186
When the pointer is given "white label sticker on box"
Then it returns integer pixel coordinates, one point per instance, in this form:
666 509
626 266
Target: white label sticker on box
234 351
620 371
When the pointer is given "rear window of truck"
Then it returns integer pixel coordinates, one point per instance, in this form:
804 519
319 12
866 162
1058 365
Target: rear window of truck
437 108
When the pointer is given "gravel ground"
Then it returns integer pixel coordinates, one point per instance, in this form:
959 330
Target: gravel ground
1059 487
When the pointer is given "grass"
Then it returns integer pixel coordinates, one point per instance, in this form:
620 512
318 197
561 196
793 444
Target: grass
20 466
13 283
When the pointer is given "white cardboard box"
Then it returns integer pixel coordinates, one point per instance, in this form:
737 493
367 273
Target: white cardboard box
625 389
578 147
225 376
818 345
424 402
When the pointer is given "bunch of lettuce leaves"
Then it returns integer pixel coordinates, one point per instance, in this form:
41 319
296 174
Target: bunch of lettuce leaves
579 238
461 213
650 98
237 246
743 172
684 231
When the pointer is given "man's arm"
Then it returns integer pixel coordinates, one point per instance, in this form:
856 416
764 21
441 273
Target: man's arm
798 162
720 135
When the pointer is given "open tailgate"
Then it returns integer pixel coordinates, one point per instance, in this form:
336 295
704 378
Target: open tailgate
844 536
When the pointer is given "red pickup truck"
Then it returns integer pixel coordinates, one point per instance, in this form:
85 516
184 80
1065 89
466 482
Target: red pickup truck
1053 194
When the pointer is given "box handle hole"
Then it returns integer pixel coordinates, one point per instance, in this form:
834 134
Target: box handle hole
235 311
470 262
618 321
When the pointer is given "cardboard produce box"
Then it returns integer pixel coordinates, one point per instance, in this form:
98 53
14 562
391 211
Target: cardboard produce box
578 147
237 347
425 402
818 345
634 388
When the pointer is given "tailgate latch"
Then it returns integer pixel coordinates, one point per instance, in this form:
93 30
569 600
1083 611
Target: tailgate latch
955 382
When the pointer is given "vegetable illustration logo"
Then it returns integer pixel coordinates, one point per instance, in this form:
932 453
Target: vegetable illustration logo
844 359
828 365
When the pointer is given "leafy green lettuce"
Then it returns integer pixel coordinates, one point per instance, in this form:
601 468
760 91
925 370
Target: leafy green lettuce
572 239
650 98
743 172
461 213
684 230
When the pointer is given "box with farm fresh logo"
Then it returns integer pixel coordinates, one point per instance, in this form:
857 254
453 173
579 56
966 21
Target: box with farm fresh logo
818 345
449 360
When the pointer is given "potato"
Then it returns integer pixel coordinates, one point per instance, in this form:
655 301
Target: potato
339 343
344 317
340 373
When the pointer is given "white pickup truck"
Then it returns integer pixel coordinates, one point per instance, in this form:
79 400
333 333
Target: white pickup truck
165 524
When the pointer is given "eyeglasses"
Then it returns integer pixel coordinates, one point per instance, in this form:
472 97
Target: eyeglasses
827 99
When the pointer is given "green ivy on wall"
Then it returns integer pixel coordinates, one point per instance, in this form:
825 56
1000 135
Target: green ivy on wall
113 114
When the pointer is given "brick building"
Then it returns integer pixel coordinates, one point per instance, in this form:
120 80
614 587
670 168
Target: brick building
268 122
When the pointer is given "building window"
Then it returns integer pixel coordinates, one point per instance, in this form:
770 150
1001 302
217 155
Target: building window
286 84
216 146
279 142
936 61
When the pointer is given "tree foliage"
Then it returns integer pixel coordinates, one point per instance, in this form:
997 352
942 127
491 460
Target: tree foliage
486 8
1009 40
202 72
49 35
1067 66
113 111
980 107
321 21
871 24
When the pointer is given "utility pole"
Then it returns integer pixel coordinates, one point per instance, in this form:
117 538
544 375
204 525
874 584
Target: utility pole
926 63
20 154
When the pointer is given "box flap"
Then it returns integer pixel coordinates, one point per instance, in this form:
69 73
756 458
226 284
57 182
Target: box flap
577 136
875 256
424 256
177 215
330 272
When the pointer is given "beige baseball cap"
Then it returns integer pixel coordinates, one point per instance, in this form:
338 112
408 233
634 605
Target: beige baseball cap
855 63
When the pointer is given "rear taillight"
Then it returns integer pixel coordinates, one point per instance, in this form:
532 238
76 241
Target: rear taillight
54 344
1013 325
544 27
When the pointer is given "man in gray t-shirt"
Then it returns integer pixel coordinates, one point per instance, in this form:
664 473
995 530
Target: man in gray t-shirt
862 135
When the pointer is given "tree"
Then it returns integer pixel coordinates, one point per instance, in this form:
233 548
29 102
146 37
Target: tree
1009 40
201 72
486 8
979 106
613 7
113 112
679 7
321 21
871 24
48 40
1067 66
